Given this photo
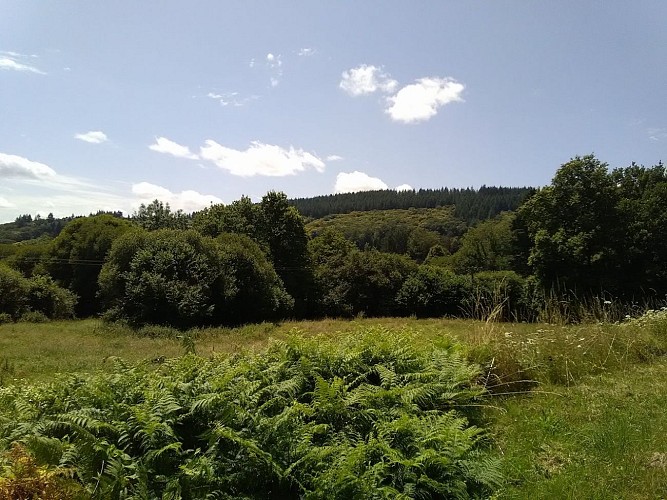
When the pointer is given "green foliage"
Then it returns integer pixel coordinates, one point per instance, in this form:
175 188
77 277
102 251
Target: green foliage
29 256
643 209
432 292
499 296
372 417
593 232
25 227
471 205
411 231
164 277
253 290
488 246
574 224
37 296
184 279
44 296
278 229
13 291
33 317
77 254
358 282
158 215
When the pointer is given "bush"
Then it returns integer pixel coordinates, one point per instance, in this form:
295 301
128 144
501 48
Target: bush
13 290
370 417
433 292
45 296
33 317
183 279
5 318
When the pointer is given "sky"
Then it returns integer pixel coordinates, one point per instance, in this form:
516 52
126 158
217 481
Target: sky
107 105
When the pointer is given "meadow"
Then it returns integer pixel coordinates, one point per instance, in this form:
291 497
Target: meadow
569 411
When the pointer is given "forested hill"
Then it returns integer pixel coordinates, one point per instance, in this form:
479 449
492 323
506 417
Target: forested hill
472 205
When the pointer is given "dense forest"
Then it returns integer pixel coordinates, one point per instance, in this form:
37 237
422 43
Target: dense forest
593 240
470 204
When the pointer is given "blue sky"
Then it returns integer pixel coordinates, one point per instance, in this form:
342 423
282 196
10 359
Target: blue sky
105 105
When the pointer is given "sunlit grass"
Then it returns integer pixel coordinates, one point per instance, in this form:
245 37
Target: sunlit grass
603 438
577 410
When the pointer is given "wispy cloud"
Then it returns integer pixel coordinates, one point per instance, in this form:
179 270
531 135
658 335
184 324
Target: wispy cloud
306 52
421 101
4 203
356 181
334 158
657 134
260 159
187 201
38 188
366 79
275 64
93 137
231 99
166 146
11 61
18 167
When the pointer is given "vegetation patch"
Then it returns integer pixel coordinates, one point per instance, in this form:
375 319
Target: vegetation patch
367 417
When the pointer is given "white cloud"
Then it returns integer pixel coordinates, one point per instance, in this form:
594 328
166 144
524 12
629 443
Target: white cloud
231 99
188 200
4 203
9 62
366 79
306 52
17 167
405 187
334 158
357 181
420 101
164 145
94 137
260 159
275 64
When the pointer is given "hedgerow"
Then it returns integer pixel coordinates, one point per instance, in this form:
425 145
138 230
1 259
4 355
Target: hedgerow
373 417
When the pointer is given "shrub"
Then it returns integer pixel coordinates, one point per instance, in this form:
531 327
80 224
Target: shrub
13 290
369 417
45 296
432 292
33 317
183 279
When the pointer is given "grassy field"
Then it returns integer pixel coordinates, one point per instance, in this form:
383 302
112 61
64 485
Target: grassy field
576 411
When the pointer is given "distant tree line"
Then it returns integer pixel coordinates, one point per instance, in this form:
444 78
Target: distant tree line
591 239
471 205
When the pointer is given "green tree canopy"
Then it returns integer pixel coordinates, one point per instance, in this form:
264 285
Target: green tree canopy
184 279
77 254
158 215
279 230
574 227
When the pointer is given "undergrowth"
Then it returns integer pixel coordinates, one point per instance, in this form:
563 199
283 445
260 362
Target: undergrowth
367 417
